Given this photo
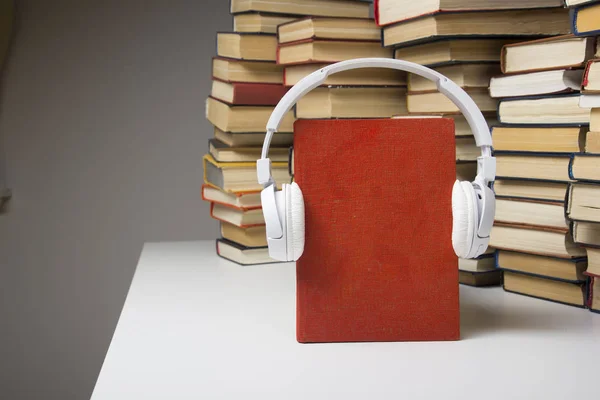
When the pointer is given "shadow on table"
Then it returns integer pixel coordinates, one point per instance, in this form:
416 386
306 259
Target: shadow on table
519 314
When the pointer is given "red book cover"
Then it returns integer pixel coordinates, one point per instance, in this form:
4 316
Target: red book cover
586 74
378 263
252 94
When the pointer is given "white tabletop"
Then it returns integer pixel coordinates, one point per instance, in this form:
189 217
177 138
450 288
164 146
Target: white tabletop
195 326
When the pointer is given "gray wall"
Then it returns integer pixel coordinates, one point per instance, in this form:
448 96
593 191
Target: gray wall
102 123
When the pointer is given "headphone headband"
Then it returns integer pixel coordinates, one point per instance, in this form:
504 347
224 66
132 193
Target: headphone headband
486 164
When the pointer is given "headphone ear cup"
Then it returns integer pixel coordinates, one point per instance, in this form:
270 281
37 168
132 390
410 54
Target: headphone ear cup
294 221
464 211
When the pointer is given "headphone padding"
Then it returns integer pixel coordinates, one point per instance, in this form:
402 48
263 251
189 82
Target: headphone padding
463 212
295 221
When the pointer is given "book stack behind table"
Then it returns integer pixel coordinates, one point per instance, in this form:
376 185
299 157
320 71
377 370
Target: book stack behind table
542 137
247 83
463 40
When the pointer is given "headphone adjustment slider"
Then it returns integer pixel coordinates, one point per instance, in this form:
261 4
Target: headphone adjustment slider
487 168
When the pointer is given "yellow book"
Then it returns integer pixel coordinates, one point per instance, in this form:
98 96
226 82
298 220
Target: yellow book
237 177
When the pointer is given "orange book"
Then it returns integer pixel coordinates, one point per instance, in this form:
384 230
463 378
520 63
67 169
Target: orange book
237 217
243 200
378 262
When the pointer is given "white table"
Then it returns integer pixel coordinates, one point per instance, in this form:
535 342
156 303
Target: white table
195 326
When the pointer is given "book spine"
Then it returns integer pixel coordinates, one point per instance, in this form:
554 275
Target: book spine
376 12
250 94
585 81
571 161
574 13
503 59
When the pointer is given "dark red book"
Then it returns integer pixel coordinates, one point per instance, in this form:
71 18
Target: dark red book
248 94
378 263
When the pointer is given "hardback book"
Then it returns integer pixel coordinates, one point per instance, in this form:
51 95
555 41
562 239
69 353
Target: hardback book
352 102
514 23
591 78
243 201
570 270
480 279
586 20
584 202
546 289
224 153
593 267
537 166
327 8
240 177
357 77
242 255
530 190
592 142
237 217
595 120
541 214
329 51
461 126
248 94
436 102
247 46
536 83
343 278
256 22
544 110
541 54
585 167
227 70
548 242
392 11
483 263
571 3
467 76
230 118
465 170
253 139
454 51
586 233
554 139
255 236
594 295
589 101
329 28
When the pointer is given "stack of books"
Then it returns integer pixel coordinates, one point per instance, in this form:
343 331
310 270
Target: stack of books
248 81
584 195
541 138
311 43
463 40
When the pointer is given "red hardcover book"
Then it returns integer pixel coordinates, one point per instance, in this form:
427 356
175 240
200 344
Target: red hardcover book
378 263
595 64
248 94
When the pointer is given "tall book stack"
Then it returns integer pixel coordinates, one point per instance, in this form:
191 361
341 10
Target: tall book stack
584 194
463 40
247 84
542 136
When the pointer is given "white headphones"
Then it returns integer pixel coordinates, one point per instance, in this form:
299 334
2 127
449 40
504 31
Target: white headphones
473 203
